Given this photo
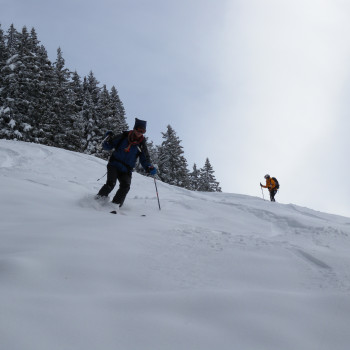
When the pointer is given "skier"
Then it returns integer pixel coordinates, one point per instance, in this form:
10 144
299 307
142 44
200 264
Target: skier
271 185
128 146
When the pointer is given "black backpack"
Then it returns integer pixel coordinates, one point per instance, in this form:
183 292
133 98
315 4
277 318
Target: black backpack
276 181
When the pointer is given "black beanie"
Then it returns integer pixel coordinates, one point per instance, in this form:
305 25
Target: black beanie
140 124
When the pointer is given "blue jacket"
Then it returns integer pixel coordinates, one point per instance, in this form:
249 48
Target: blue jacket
125 161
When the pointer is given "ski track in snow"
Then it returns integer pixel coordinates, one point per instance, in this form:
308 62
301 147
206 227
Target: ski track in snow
284 228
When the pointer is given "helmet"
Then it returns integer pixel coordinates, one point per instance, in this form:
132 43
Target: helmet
266 176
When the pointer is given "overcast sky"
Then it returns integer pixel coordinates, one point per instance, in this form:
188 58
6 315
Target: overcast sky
258 86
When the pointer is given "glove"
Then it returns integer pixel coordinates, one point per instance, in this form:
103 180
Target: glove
260 184
152 170
108 135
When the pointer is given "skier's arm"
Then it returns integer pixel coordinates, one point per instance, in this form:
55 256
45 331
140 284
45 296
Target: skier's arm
144 157
146 161
109 143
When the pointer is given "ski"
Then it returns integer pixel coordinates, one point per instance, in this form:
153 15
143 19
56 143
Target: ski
115 212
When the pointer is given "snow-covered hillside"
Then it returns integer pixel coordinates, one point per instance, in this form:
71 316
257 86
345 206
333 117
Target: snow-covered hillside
208 271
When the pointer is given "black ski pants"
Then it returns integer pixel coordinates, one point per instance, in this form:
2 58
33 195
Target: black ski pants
113 174
272 195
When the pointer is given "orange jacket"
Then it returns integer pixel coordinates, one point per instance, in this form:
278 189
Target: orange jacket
270 184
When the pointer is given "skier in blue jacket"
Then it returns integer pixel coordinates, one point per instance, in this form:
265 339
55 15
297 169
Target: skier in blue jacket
128 146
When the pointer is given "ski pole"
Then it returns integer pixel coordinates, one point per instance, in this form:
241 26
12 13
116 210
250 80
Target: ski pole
155 183
262 193
105 139
101 177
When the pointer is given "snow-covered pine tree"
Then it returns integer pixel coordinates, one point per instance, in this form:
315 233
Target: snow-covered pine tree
46 103
194 178
9 84
172 164
3 59
91 118
87 118
12 38
75 101
207 181
153 151
63 107
37 88
117 118
43 130
17 90
105 121
28 76
40 89
76 88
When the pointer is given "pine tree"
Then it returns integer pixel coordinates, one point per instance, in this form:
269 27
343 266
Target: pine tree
9 85
12 41
45 106
104 109
111 116
28 82
3 59
117 113
87 118
91 117
37 84
17 86
75 96
194 178
61 117
104 120
37 95
46 103
172 164
207 181
76 88
153 151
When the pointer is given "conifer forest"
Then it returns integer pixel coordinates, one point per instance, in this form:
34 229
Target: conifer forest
45 102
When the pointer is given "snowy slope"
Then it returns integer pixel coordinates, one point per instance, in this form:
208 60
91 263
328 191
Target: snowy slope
208 271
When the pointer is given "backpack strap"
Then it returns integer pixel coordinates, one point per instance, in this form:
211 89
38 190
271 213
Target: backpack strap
143 149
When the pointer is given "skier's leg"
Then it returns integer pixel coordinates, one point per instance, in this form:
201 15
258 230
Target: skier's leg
272 195
124 187
112 174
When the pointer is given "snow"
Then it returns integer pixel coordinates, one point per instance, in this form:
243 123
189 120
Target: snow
12 123
27 127
208 271
12 58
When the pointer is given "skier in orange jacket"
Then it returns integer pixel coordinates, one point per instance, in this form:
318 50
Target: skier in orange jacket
271 185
